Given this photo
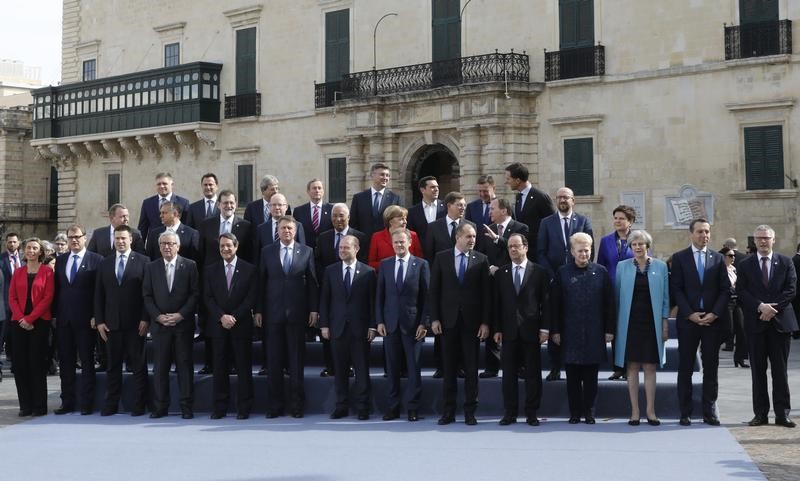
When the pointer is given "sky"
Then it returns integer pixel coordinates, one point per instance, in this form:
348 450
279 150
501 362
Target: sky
30 32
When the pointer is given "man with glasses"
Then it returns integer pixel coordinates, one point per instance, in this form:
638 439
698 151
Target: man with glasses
267 233
102 240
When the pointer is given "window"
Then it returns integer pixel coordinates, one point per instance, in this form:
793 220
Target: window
89 70
337 179
246 60
172 54
446 30
337 45
763 157
753 11
244 184
576 23
112 189
579 165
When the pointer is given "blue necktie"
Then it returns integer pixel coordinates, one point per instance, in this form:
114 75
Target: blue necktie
486 219
518 279
74 269
120 269
336 241
701 268
376 205
518 206
347 280
399 280
462 268
287 260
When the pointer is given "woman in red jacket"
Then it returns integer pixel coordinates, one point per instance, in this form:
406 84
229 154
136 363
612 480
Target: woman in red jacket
30 296
380 246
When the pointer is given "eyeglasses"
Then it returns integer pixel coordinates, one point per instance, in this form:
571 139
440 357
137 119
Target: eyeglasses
75 237
170 244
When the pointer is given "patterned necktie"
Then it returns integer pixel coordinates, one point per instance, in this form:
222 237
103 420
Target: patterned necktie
500 230
74 271
765 270
336 241
229 275
376 205
275 237
315 219
399 280
266 212
347 279
161 201
121 268
518 278
287 260
462 268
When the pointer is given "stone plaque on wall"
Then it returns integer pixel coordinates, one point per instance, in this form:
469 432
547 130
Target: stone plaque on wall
688 205
636 200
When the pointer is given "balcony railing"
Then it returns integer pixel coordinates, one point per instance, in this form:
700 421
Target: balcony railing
165 96
28 212
758 39
243 105
493 67
575 63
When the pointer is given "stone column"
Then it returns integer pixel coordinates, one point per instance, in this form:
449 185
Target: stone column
470 159
356 165
67 190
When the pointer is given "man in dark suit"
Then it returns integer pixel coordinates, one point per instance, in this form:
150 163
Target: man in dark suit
400 313
327 253
258 211
207 206
347 318
531 205
766 285
10 259
366 209
427 211
314 215
74 310
102 241
230 292
701 289
441 232
553 251
460 296
150 215
121 320
171 220
267 232
521 323
171 290
289 303
478 210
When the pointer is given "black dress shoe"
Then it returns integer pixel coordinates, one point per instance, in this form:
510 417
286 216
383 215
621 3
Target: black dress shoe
326 372
204 370
460 373
262 371
86 412
412 416
274 414
685 421
758 421
506 420
297 413
24 414
553 375
157 414
137 412
633 422
785 422
241 416
654 422
351 373
446 419
108 412
728 346
391 414
589 420
339 413
574 420
286 372
616 376
187 414
469 420
532 421
363 415
487 374
217 415
711 420
437 374
741 363
64 410
37 414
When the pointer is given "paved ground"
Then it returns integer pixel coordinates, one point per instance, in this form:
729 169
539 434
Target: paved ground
776 450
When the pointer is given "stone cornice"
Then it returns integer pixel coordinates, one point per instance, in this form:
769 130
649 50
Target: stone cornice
239 17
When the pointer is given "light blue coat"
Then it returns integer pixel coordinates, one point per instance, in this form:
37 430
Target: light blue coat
659 297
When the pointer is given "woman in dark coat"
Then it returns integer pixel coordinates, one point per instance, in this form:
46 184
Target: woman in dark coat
583 304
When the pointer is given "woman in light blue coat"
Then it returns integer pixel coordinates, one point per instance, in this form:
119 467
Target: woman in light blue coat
642 292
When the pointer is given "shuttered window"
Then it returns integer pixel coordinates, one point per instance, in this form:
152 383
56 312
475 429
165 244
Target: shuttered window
446 30
754 11
246 60
337 179
579 166
112 189
576 23
763 154
244 184
337 45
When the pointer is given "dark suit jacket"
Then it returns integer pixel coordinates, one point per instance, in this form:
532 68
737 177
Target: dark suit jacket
419 223
497 252
263 237
5 268
303 215
185 290
325 254
781 289
190 241
551 251
405 308
101 241
239 302
538 205
521 315
474 213
686 289
74 302
287 297
337 308
438 238
254 212
149 216
448 298
208 247
361 211
120 306
197 213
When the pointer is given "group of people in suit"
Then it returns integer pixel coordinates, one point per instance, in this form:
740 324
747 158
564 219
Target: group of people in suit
513 275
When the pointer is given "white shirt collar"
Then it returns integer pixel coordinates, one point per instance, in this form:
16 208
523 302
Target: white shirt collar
80 253
223 219
127 254
233 262
405 259
458 252
450 220
290 246
167 263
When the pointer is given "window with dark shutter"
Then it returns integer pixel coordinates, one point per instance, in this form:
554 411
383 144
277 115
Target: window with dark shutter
754 11
579 166
576 23
246 61
244 184
337 45
763 154
112 196
337 179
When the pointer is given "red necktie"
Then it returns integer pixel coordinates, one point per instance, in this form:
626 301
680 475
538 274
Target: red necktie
315 219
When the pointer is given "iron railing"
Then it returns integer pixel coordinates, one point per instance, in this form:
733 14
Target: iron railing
493 67
758 39
575 63
27 212
243 105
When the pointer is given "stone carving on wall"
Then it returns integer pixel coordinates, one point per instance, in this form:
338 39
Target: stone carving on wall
689 204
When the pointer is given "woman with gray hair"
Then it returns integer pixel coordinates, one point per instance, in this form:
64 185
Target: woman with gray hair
642 292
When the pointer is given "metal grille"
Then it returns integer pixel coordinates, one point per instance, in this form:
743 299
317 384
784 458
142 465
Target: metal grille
575 63
758 39
243 105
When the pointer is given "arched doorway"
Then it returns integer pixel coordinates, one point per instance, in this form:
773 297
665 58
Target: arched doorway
438 161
